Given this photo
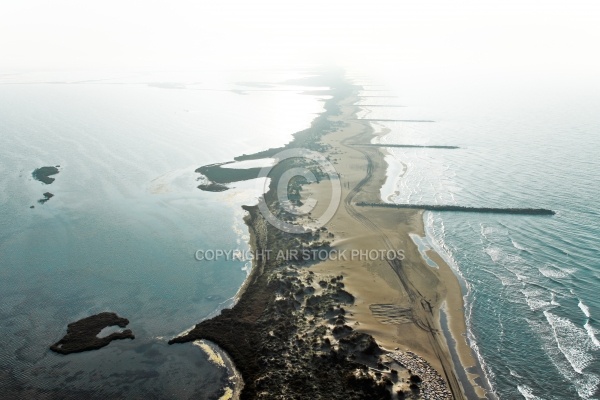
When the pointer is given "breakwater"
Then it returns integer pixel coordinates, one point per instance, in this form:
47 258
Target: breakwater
413 146
491 210
393 120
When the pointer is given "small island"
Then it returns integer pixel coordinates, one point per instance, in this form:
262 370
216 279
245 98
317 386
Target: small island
43 174
82 335
47 196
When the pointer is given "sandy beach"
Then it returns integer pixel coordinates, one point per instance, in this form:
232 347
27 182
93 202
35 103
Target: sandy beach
400 309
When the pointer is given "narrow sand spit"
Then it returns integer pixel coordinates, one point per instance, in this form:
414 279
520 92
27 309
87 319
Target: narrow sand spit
343 328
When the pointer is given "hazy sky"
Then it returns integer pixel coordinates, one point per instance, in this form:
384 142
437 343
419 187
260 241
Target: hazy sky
181 34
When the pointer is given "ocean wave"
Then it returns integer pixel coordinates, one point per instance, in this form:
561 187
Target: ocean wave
514 373
554 272
486 231
553 300
512 263
588 326
572 341
536 298
247 267
527 392
495 253
505 279
586 384
518 246
537 304
436 238
584 308
592 334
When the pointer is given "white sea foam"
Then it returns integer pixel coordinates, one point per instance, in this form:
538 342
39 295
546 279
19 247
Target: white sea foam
486 230
518 246
506 276
592 334
534 291
585 383
512 272
435 237
527 392
584 308
553 272
572 341
495 253
508 281
487 371
514 259
185 332
514 373
537 304
247 267
391 189
537 298
588 327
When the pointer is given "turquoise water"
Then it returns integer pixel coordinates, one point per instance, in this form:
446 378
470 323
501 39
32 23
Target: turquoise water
532 305
121 232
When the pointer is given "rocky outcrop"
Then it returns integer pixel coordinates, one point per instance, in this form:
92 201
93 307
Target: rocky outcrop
43 174
82 335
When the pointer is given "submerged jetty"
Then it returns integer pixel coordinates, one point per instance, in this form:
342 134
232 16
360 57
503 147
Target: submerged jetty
490 210
415 146
379 105
393 120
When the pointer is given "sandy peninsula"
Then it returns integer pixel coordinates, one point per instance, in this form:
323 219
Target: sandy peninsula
363 326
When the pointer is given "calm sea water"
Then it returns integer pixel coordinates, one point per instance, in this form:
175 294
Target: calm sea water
533 308
121 232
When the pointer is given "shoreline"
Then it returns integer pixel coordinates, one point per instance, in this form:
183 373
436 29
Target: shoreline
454 294
459 329
380 308
468 364
220 358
